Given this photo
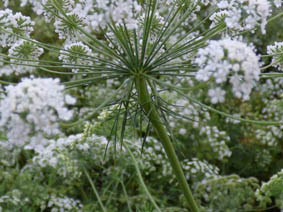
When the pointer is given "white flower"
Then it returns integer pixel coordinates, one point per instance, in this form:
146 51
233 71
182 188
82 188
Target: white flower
66 30
277 50
199 170
13 24
36 5
217 95
61 154
277 3
70 100
230 61
73 53
32 109
182 131
242 15
121 11
62 204
26 54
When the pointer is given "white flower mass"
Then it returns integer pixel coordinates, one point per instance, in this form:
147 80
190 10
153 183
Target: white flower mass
241 15
72 55
277 51
31 108
230 61
13 23
24 55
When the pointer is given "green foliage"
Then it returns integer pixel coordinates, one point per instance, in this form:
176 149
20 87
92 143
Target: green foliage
271 190
225 161
228 193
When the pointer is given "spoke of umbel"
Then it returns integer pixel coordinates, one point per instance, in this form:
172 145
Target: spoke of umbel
149 108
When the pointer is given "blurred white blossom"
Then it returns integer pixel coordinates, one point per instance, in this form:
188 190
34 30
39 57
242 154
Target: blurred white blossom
243 15
24 56
13 25
33 108
277 51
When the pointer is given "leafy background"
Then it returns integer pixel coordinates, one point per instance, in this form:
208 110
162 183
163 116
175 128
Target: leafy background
220 182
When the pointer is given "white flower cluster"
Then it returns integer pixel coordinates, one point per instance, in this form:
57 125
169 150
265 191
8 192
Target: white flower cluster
86 13
32 108
12 25
73 13
153 157
199 171
37 6
278 3
152 160
230 61
13 197
277 51
73 54
62 154
216 95
242 15
209 136
217 140
52 12
65 29
7 70
270 136
119 11
62 204
270 90
24 56
222 189
186 109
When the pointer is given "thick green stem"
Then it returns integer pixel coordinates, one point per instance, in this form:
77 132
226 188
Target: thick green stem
154 117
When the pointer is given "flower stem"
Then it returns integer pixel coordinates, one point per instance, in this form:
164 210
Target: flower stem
154 117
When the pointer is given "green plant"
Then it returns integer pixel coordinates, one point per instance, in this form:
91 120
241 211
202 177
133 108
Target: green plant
144 55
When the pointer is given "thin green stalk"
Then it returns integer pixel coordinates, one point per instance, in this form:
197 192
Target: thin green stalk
126 196
95 191
141 179
154 117
275 17
271 64
271 75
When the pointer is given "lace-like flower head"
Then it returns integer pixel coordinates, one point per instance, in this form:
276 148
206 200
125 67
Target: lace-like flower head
33 108
12 25
228 61
240 15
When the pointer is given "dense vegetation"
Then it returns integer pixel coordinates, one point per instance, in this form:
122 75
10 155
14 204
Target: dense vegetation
102 101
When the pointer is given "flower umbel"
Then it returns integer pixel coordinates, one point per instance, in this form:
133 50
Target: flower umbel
228 61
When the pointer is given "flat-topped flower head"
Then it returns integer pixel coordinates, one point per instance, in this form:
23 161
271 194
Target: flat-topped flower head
240 15
72 54
23 55
228 61
12 25
121 11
